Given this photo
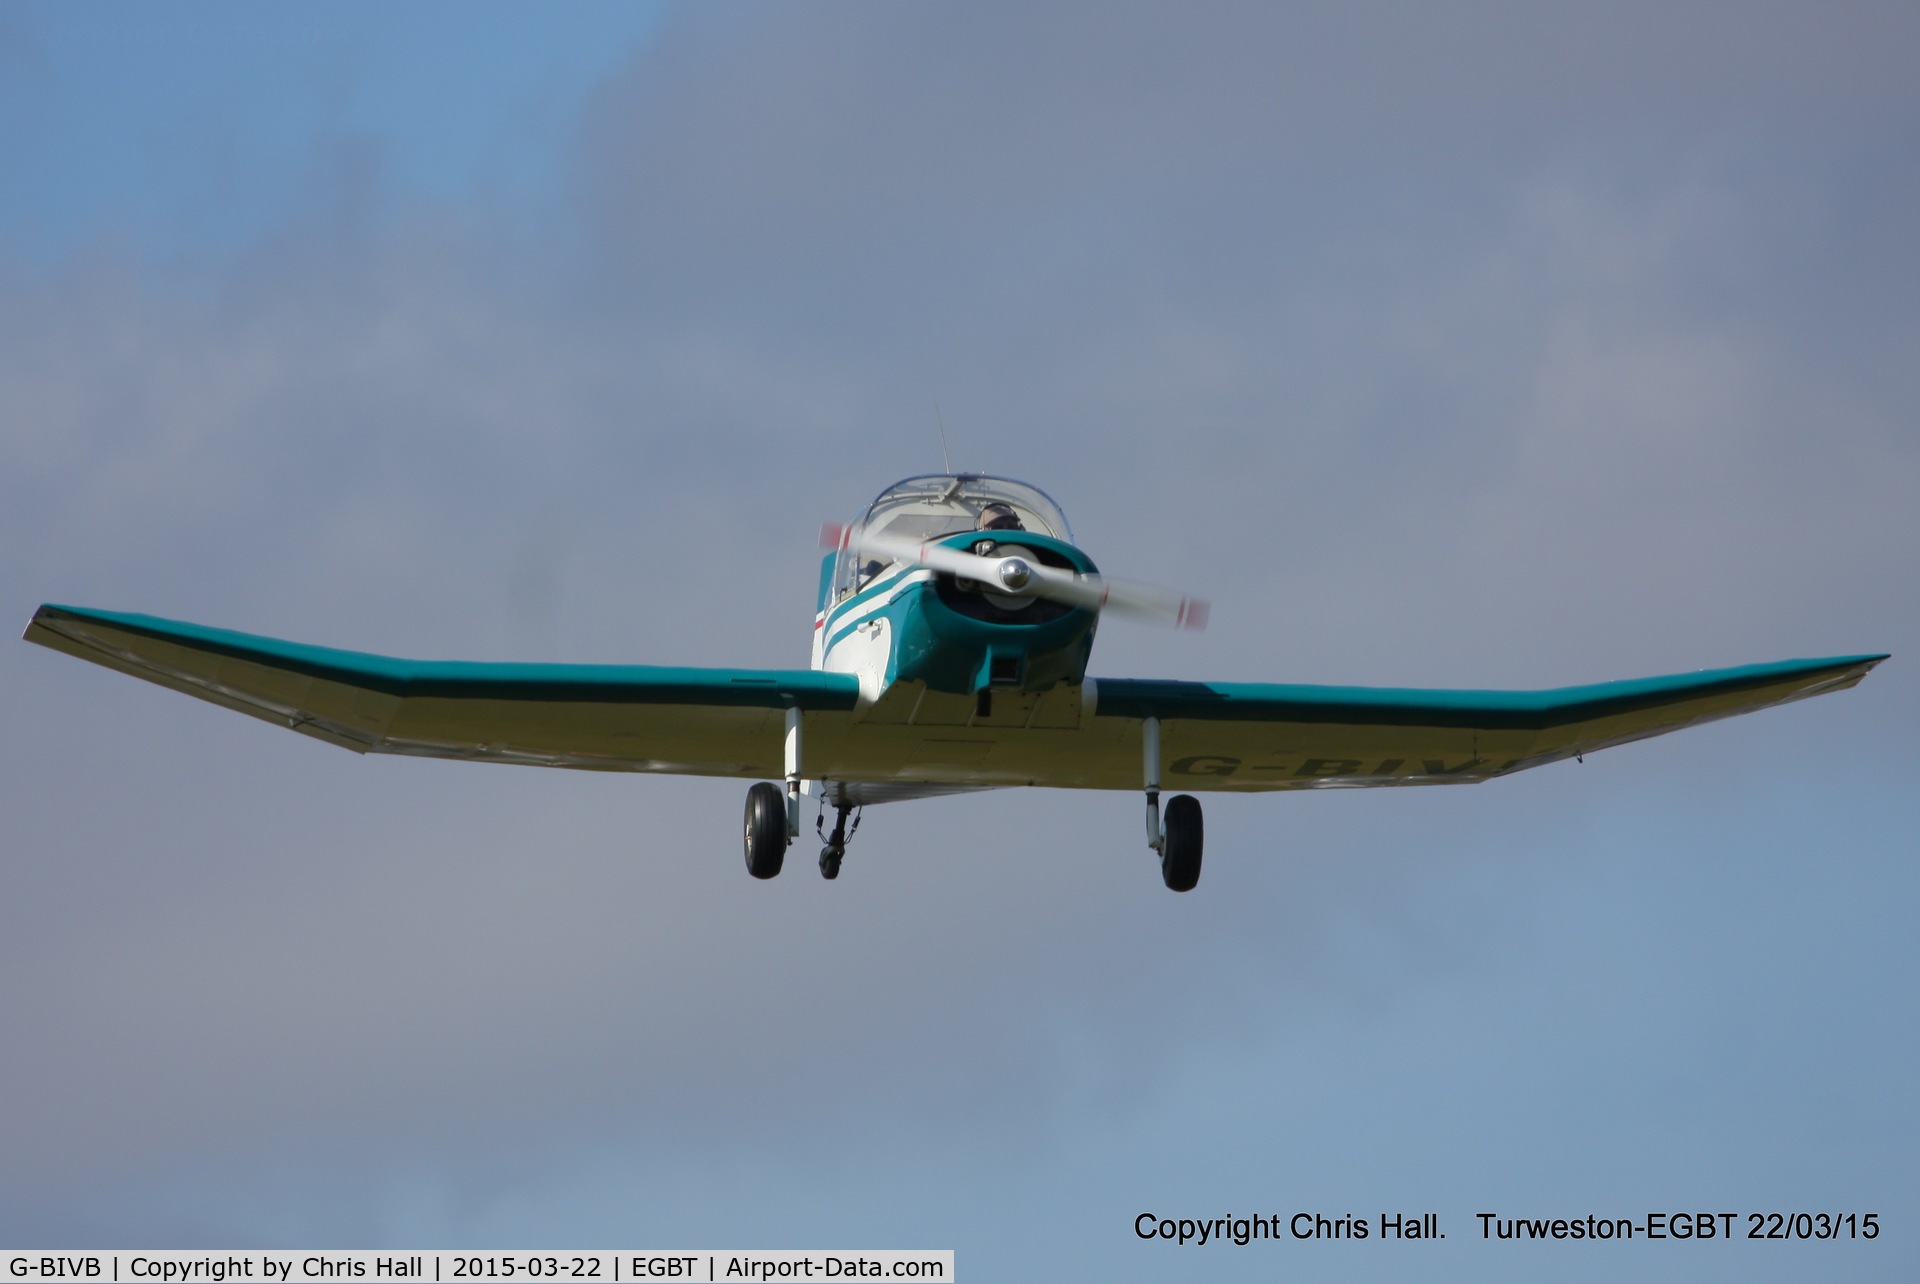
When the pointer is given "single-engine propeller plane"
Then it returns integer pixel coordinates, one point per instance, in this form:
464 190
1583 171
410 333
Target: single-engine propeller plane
950 646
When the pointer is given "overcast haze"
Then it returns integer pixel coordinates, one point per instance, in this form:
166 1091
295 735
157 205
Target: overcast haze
1476 345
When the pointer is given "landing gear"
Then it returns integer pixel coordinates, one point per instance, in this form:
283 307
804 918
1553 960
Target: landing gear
1178 840
766 830
773 818
1180 844
836 847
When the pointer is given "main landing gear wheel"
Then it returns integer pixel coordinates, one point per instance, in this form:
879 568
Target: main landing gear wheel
766 830
1180 851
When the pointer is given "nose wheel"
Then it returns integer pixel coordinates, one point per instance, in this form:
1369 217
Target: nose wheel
836 848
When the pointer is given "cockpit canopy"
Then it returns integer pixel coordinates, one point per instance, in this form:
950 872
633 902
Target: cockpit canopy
926 508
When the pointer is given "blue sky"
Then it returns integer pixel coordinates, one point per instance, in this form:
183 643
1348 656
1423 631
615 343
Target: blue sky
194 131
1476 346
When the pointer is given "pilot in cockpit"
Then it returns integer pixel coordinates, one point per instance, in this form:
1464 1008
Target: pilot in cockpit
998 517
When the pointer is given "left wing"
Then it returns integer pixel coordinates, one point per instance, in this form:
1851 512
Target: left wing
1266 736
1263 736
713 722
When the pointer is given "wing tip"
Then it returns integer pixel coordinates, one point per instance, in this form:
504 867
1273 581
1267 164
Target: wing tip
42 620
49 612
1854 666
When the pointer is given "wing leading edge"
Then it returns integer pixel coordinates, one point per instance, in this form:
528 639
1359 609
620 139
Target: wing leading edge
727 722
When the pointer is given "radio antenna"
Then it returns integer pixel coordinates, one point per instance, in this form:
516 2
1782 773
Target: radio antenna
944 458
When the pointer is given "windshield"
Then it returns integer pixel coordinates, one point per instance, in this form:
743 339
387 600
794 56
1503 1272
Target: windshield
929 507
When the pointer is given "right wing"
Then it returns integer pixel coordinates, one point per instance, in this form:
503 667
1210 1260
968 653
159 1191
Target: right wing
710 722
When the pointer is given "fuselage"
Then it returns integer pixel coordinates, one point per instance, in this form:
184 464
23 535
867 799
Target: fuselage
898 626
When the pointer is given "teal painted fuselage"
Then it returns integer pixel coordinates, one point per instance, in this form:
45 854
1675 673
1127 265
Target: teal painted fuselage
911 624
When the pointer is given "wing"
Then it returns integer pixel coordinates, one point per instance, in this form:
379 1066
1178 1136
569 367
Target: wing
722 722
1244 736
1260 736
730 722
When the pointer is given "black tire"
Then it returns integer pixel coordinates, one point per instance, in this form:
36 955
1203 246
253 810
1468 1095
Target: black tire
830 862
766 830
1180 853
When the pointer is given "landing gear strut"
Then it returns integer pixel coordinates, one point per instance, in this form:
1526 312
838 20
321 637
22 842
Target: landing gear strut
836 847
1180 840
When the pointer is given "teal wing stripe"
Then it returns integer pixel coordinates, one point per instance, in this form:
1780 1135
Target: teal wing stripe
1518 710
456 679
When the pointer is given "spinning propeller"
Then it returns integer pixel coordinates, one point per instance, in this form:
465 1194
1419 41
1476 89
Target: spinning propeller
1008 574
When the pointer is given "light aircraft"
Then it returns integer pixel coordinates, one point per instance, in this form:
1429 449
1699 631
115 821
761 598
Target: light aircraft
950 647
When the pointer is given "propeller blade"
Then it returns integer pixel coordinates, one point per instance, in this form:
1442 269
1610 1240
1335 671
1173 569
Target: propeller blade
1018 576
1154 604
939 557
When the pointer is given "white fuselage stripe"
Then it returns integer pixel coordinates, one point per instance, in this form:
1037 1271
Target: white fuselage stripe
841 618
